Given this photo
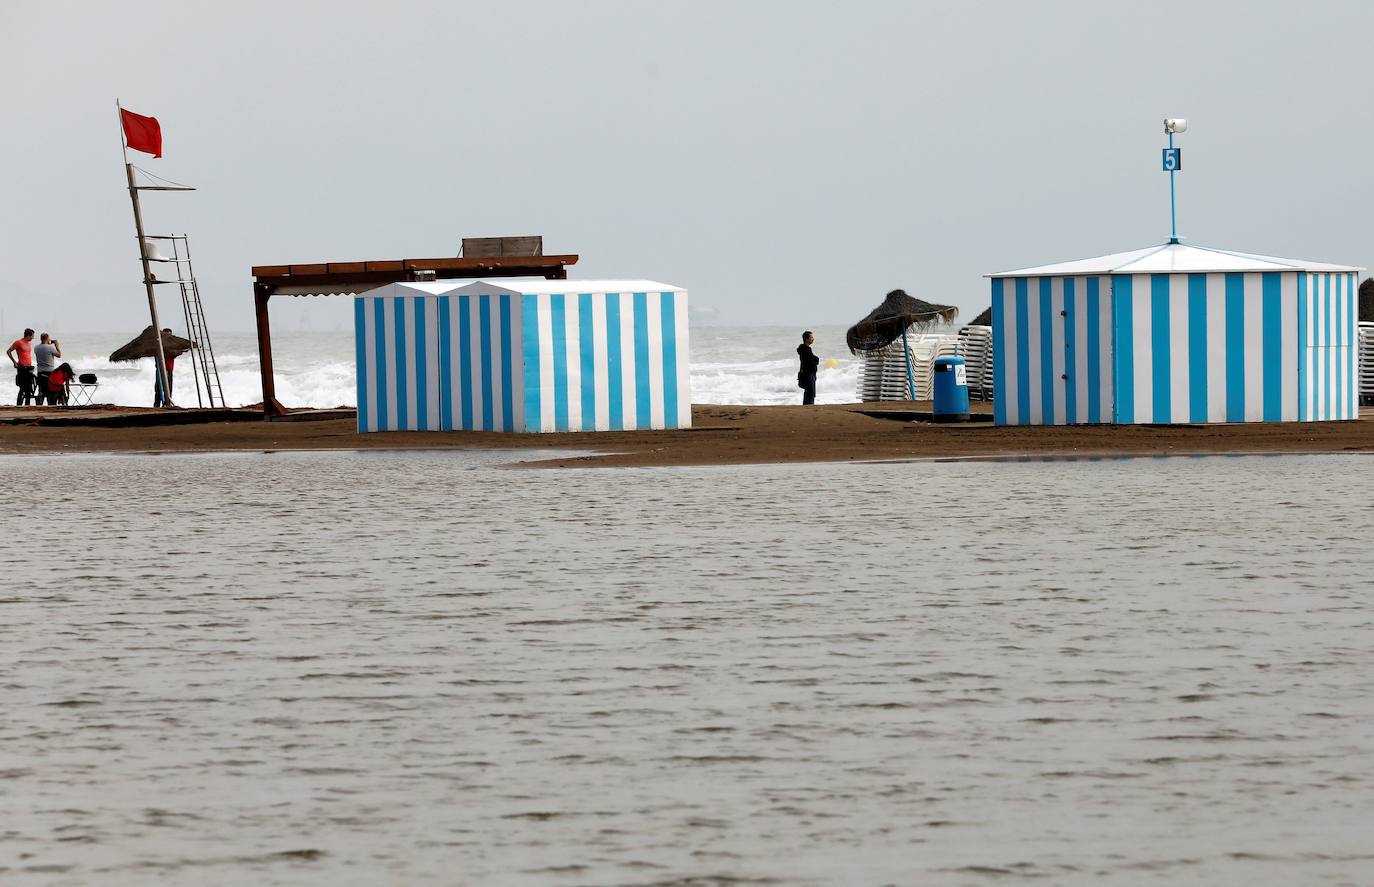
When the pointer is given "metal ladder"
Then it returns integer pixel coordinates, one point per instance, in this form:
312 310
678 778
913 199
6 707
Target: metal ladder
203 365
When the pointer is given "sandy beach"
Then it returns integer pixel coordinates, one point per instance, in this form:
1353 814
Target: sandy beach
725 435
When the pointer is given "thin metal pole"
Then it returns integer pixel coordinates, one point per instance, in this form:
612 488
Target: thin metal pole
207 350
1173 214
910 376
191 332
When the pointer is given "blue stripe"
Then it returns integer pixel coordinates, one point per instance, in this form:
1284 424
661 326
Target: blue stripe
1161 361
1341 381
421 367
1047 379
529 326
402 408
379 337
1272 322
1347 325
1352 335
1197 348
488 389
614 381
668 305
559 329
641 321
1094 321
1329 355
1070 356
1304 353
445 363
999 350
1123 349
360 344
587 350
465 358
1022 352
1343 329
1235 347
507 369
1340 347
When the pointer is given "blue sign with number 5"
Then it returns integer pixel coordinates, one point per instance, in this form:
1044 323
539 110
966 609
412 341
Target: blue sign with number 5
1173 159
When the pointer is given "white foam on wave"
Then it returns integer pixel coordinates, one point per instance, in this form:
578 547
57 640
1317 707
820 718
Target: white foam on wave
770 382
730 365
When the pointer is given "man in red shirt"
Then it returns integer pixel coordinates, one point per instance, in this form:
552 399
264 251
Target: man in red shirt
20 354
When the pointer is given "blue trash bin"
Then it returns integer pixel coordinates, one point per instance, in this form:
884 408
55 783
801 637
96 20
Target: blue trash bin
951 390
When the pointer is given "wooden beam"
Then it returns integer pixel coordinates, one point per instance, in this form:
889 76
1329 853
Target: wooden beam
270 406
490 264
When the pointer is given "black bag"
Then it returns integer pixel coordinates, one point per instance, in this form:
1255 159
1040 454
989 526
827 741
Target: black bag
87 379
801 380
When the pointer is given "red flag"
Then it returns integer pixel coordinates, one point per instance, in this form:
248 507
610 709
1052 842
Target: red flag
142 133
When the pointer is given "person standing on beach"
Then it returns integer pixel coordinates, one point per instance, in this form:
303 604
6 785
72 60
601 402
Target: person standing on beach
20 354
810 363
45 355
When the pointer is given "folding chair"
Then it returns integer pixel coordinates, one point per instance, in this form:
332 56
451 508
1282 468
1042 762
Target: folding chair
82 391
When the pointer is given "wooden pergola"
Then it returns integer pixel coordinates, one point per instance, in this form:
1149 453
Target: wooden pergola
351 278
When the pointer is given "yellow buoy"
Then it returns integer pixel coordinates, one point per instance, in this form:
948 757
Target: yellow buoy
831 363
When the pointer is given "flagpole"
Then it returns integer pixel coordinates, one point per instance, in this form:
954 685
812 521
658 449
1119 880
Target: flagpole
161 369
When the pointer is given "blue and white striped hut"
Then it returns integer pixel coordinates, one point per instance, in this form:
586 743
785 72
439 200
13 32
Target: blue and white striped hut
1175 334
522 355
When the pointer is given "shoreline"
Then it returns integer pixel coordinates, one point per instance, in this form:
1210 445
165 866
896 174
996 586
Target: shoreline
728 435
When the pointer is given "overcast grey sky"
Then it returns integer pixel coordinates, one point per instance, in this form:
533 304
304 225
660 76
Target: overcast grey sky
785 161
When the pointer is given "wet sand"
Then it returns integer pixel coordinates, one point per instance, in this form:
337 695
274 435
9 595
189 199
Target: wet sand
729 435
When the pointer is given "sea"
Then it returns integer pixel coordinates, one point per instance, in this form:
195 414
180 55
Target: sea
363 668
730 365
431 668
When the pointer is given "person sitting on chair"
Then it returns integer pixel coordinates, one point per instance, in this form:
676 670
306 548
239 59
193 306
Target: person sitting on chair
56 384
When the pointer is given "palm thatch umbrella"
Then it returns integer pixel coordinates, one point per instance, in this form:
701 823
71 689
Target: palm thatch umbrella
890 321
984 319
145 345
1367 300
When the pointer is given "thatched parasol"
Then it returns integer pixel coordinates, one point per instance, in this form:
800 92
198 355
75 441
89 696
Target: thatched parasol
886 323
984 319
146 346
1367 300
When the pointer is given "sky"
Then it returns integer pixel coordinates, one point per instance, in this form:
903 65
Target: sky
786 162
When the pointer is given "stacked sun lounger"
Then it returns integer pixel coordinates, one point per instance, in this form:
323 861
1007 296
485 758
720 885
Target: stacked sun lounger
1366 363
885 370
884 374
975 347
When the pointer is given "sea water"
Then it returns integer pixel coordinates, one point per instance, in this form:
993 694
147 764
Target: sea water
363 668
731 365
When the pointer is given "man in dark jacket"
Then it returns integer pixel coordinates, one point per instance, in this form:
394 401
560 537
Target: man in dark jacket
806 376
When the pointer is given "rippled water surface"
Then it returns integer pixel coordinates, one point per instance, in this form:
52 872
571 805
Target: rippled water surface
419 668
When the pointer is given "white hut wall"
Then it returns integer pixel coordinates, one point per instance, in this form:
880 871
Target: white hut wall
480 363
1235 347
500 360
1328 363
606 361
397 340
1213 347
1052 350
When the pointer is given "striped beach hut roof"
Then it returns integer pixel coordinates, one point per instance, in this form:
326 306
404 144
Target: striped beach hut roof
525 286
1174 258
